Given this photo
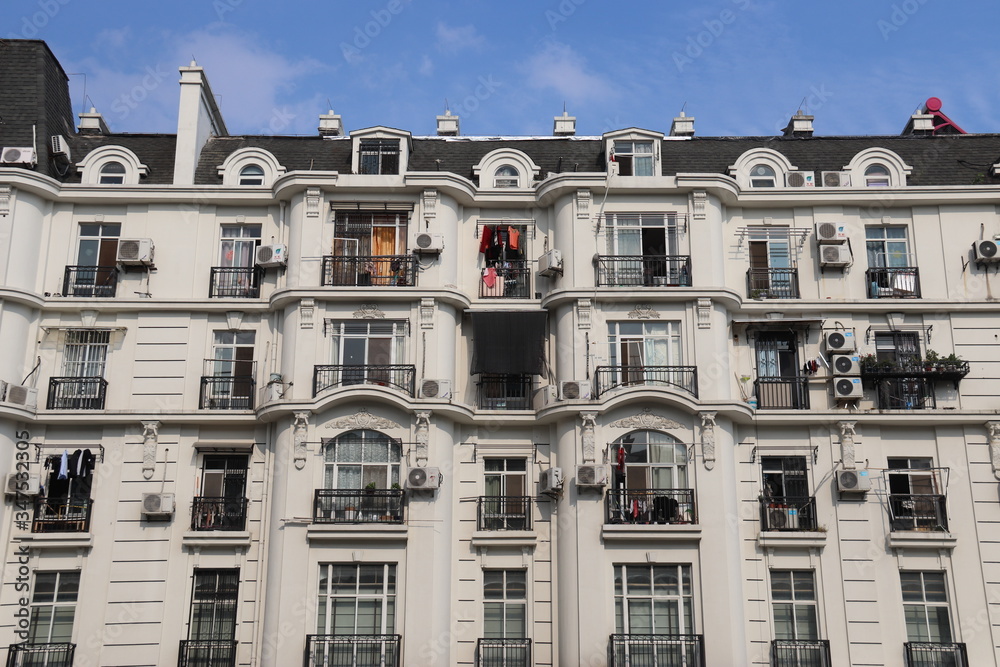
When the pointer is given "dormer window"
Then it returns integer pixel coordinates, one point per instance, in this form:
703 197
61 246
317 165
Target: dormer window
112 173
252 174
379 156
634 158
762 176
877 176
506 177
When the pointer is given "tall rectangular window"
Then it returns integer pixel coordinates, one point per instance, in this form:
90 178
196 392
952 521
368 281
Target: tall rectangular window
367 343
925 606
53 606
238 245
634 345
505 604
653 600
504 505
86 353
365 234
213 604
887 247
356 599
99 244
793 600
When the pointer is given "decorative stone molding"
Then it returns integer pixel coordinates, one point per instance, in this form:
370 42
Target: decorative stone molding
369 311
430 203
150 435
234 319
588 419
363 419
644 311
646 419
704 313
699 201
307 312
993 429
427 313
584 313
583 204
5 191
708 438
300 426
847 454
88 318
312 202
423 427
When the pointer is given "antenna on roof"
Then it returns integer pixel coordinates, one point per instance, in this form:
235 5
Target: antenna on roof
803 105
564 107
329 104
83 107
447 107
683 107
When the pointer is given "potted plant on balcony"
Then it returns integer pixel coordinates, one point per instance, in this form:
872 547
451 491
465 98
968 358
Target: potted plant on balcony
952 362
868 362
932 361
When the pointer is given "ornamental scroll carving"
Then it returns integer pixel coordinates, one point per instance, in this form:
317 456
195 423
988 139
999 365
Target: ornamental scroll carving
363 419
644 312
423 435
646 419
993 429
369 311
300 426
847 453
588 437
708 438
150 435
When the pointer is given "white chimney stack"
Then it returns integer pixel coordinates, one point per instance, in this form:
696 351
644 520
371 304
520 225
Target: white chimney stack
330 125
683 126
564 125
447 125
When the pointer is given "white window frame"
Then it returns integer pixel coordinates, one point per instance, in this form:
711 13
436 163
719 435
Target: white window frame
85 353
486 170
672 472
508 604
386 598
240 240
341 331
112 172
877 156
917 607
760 174
231 169
338 464
39 609
382 133
94 162
649 331
742 169
252 174
622 144
887 251
877 176
624 599
798 606
507 176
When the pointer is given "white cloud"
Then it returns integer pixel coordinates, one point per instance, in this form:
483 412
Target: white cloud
558 67
426 66
460 38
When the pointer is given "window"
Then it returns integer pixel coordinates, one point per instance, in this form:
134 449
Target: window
64 506
379 156
650 480
357 599
643 250
654 600
505 604
634 158
95 274
238 243
112 173
901 349
897 347
877 176
53 606
252 174
86 353
916 496
367 343
762 176
772 273
506 177
356 459
887 246
212 631
793 599
785 502
637 345
222 504
925 607
505 505
230 375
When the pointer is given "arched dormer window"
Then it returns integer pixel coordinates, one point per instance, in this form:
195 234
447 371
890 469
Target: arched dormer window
112 173
506 177
505 168
761 168
878 167
111 165
762 176
252 174
250 166
877 176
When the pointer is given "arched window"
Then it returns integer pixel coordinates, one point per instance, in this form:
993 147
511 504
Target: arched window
506 177
252 174
762 176
877 176
650 480
356 459
112 173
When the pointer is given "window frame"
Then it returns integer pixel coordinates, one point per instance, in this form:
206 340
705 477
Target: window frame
881 247
218 602
383 473
685 602
255 178
625 152
36 606
677 471
93 163
796 606
379 156
387 597
880 179
672 337
340 332
506 603
511 178
238 249
112 172
85 353
756 180
926 606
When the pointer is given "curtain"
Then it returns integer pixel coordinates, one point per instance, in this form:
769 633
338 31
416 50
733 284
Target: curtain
383 241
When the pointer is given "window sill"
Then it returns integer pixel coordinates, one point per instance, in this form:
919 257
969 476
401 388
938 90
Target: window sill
630 532
56 540
504 538
216 538
792 539
369 532
914 539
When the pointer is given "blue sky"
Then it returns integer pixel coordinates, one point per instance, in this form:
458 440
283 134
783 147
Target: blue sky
742 67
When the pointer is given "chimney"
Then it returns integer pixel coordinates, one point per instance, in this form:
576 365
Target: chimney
920 123
447 125
198 119
800 125
564 125
683 126
330 125
92 123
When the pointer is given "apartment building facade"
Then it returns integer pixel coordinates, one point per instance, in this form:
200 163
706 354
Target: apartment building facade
369 398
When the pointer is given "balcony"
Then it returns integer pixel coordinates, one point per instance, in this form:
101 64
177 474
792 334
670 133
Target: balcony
773 283
905 393
935 654
950 371
782 393
503 513
800 653
229 514
656 651
511 280
61 515
504 392
898 282
90 281
352 650
227 392
643 270
207 653
77 393
788 513
370 271
396 376
650 506
358 506
503 652
37 655
684 378
927 513
235 282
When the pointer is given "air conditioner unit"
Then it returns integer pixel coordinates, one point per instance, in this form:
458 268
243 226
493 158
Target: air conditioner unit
135 251
592 474
18 155
987 251
853 481
848 387
840 341
550 263
428 243
434 389
801 179
835 179
783 518
575 390
60 146
423 479
545 396
550 482
271 255
16 394
831 232
845 364
835 255
25 486
157 505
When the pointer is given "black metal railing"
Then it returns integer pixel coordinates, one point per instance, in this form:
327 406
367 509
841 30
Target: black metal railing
212 513
227 392
240 282
800 653
370 271
684 378
905 394
788 513
897 282
61 515
358 506
352 650
918 512
207 653
73 393
504 392
664 506
506 652
397 376
509 280
773 283
643 270
935 654
503 513
90 281
951 371
656 651
782 393
37 655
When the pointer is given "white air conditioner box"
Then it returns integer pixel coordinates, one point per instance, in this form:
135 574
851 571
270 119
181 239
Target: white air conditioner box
592 474
550 481
27 485
853 481
135 251
783 518
60 146
545 396
845 364
435 389
835 179
835 255
428 243
574 390
840 341
423 479
801 179
157 505
18 155
831 232
16 394
272 255
847 387
987 251
550 263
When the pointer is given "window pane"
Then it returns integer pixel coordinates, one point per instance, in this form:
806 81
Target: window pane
516 585
69 586
344 580
934 587
916 623
45 587
805 617
665 617
370 579
911 585
369 616
804 586
640 617
493 619
784 627
493 584
638 581
664 581
515 617
781 585
343 616
940 625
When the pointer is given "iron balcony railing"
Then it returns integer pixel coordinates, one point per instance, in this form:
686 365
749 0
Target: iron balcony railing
370 271
905 394
684 378
77 393
503 513
508 280
353 650
656 651
90 281
61 515
664 506
397 376
773 283
643 270
39 655
358 506
950 371
788 513
897 282
504 392
207 653
918 512
210 513
935 654
782 393
239 282
232 392
800 653
505 652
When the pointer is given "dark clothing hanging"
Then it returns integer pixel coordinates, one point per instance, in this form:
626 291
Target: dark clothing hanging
509 342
